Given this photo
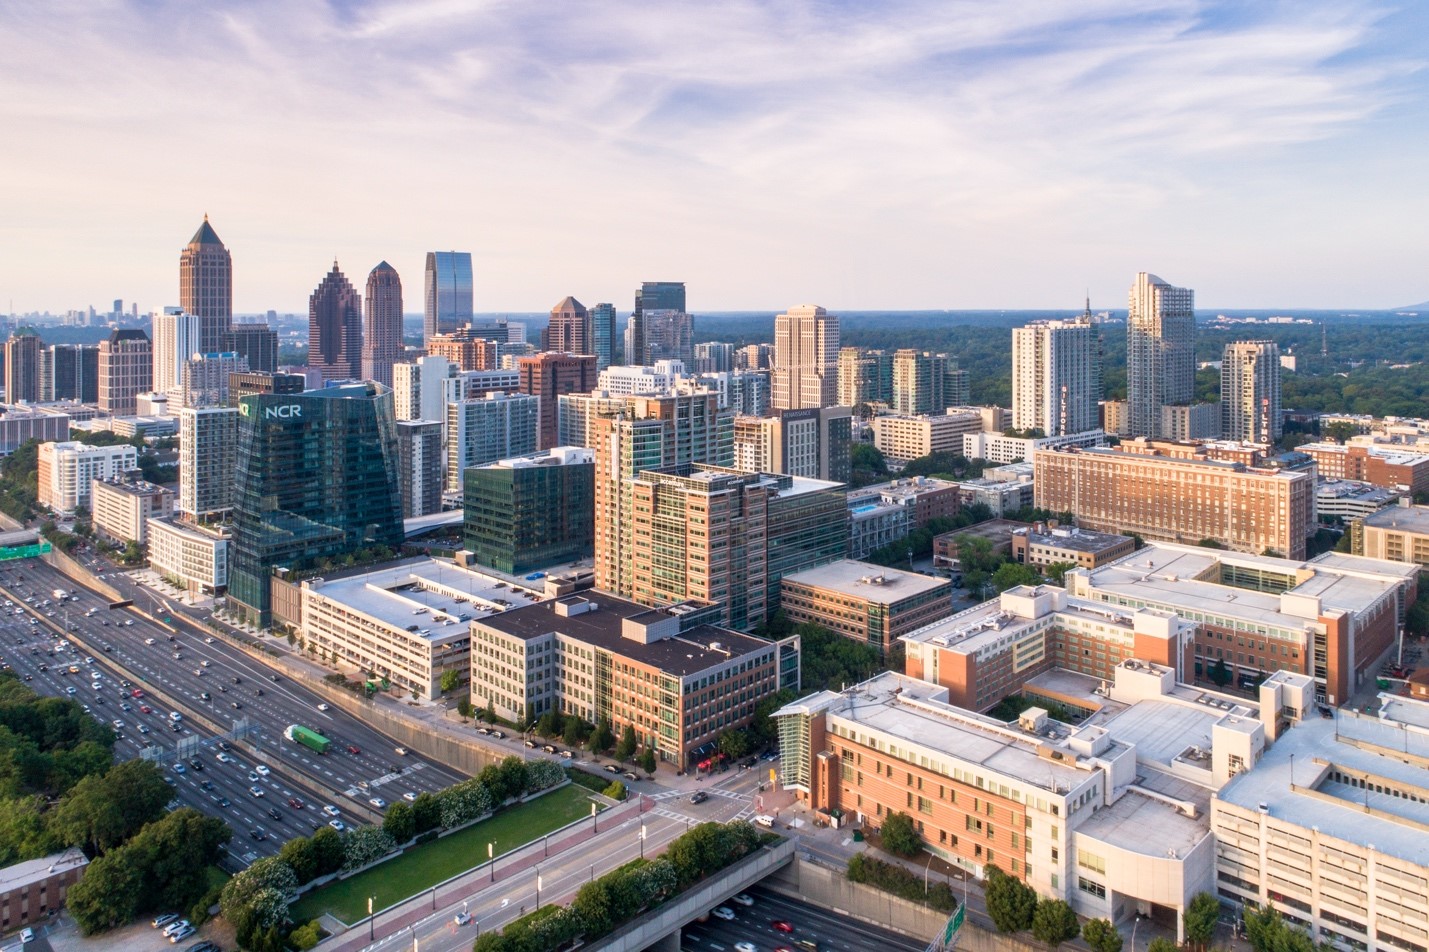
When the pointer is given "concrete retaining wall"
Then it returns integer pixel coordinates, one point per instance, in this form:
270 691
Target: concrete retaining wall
829 889
79 573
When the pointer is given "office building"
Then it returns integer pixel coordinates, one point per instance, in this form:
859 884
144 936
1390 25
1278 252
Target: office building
669 335
1042 547
1160 352
1379 464
190 556
741 391
625 379
713 357
904 438
869 604
810 442
69 372
1250 391
1174 492
1198 421
995 447
206 379
489 428
126 369
808 526
670 432
570 330
316 478
22 367
207 461
806 347
407 624
255 343
531 512
651 296
448 292
66 471
757 357
33 891
419 466
382 324
419 388
253 382
470 384
865 377
547 376
465 350
602 325
927 383
1056 377
677 680
884 514
1399 533
335 328
121 507
177 337
206 287
19 424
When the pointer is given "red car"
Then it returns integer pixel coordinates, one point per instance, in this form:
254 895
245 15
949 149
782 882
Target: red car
295 803
780 926
146 709
354 749
136 693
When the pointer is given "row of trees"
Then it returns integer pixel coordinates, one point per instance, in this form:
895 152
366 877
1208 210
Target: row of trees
901 881
47 744
251 901
620 895
598 738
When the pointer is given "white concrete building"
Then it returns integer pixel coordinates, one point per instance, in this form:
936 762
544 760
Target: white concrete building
176 339
192 557
628 379
996 448
68 470
1056 376
121 508
207 461
485 430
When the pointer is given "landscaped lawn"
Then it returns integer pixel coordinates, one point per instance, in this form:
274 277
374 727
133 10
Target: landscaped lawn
431 863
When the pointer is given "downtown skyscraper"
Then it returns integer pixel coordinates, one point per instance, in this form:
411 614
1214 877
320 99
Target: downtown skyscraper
382 324
447 292
1160 352
335 328
806 349
651 296
1056 376
206 287
602 323
569 330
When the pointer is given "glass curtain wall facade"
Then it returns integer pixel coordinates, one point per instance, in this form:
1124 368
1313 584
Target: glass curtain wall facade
520 518
448 298
317 479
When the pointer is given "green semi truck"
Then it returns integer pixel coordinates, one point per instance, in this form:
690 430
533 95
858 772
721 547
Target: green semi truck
308 738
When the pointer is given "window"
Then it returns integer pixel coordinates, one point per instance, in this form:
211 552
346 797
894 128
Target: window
1094 888
1091 861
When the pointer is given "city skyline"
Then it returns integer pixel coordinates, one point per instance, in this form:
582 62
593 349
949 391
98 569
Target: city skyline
900 157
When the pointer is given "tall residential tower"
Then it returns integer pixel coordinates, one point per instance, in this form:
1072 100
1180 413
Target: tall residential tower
1056 376
1250 391
806 348
1160 352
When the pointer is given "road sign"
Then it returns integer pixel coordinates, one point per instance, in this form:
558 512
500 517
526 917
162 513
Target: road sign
955 923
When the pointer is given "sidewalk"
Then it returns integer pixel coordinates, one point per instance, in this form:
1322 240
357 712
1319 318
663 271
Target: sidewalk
466 886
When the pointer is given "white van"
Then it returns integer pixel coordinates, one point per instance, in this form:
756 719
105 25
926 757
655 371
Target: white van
765 820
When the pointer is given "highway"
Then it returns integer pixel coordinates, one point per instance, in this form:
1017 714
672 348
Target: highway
238 687
754 924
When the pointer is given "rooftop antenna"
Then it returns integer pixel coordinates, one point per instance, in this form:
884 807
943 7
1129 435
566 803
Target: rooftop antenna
1324 348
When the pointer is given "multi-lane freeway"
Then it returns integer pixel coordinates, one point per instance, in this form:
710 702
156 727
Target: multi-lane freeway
759 925
204 679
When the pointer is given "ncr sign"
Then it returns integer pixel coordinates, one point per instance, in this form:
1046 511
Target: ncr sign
288 411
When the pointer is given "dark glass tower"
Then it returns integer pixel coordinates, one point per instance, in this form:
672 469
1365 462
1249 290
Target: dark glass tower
206 286
335 328
382 327
448 286
602 321
652 296
317 479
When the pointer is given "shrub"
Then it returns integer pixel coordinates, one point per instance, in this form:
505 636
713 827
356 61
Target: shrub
616 790
900 881
364 845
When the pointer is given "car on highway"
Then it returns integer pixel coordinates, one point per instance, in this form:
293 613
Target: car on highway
221 801
70 689
258 833
401 752
378 802
256 790
354 750
745 947
143 728
235 705
744 899
322 707
409 796
224 758
295 803
118 724
723 912
337 825
136 693
779 925
331 810
195 763
145 709
252 777
262 770
148 641
206 696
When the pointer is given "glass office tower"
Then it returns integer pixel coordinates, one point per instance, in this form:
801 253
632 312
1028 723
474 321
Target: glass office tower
317 479
448 292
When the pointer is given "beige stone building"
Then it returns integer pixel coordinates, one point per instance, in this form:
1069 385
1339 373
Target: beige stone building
909 437
1397 533
121 508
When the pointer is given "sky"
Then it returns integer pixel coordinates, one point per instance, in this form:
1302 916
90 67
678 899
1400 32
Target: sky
860 155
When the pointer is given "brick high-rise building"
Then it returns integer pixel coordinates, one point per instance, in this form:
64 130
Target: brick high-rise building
806 347
335 328
1174 493
570 330
382 325
548 376
1250 391
126 369
1160 352
206 286
465 349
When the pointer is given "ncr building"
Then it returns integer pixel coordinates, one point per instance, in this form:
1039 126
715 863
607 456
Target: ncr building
317 479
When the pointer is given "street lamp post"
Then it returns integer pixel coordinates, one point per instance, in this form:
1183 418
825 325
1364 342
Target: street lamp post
1134 923
538 889
642 840
594 823
491 859
370 924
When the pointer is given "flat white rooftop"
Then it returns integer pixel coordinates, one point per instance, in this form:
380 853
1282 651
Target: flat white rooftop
438 598
875 583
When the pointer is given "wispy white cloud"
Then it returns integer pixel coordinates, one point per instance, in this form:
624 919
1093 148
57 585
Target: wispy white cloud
917 153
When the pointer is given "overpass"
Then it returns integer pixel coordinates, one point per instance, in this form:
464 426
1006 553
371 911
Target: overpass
420 524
